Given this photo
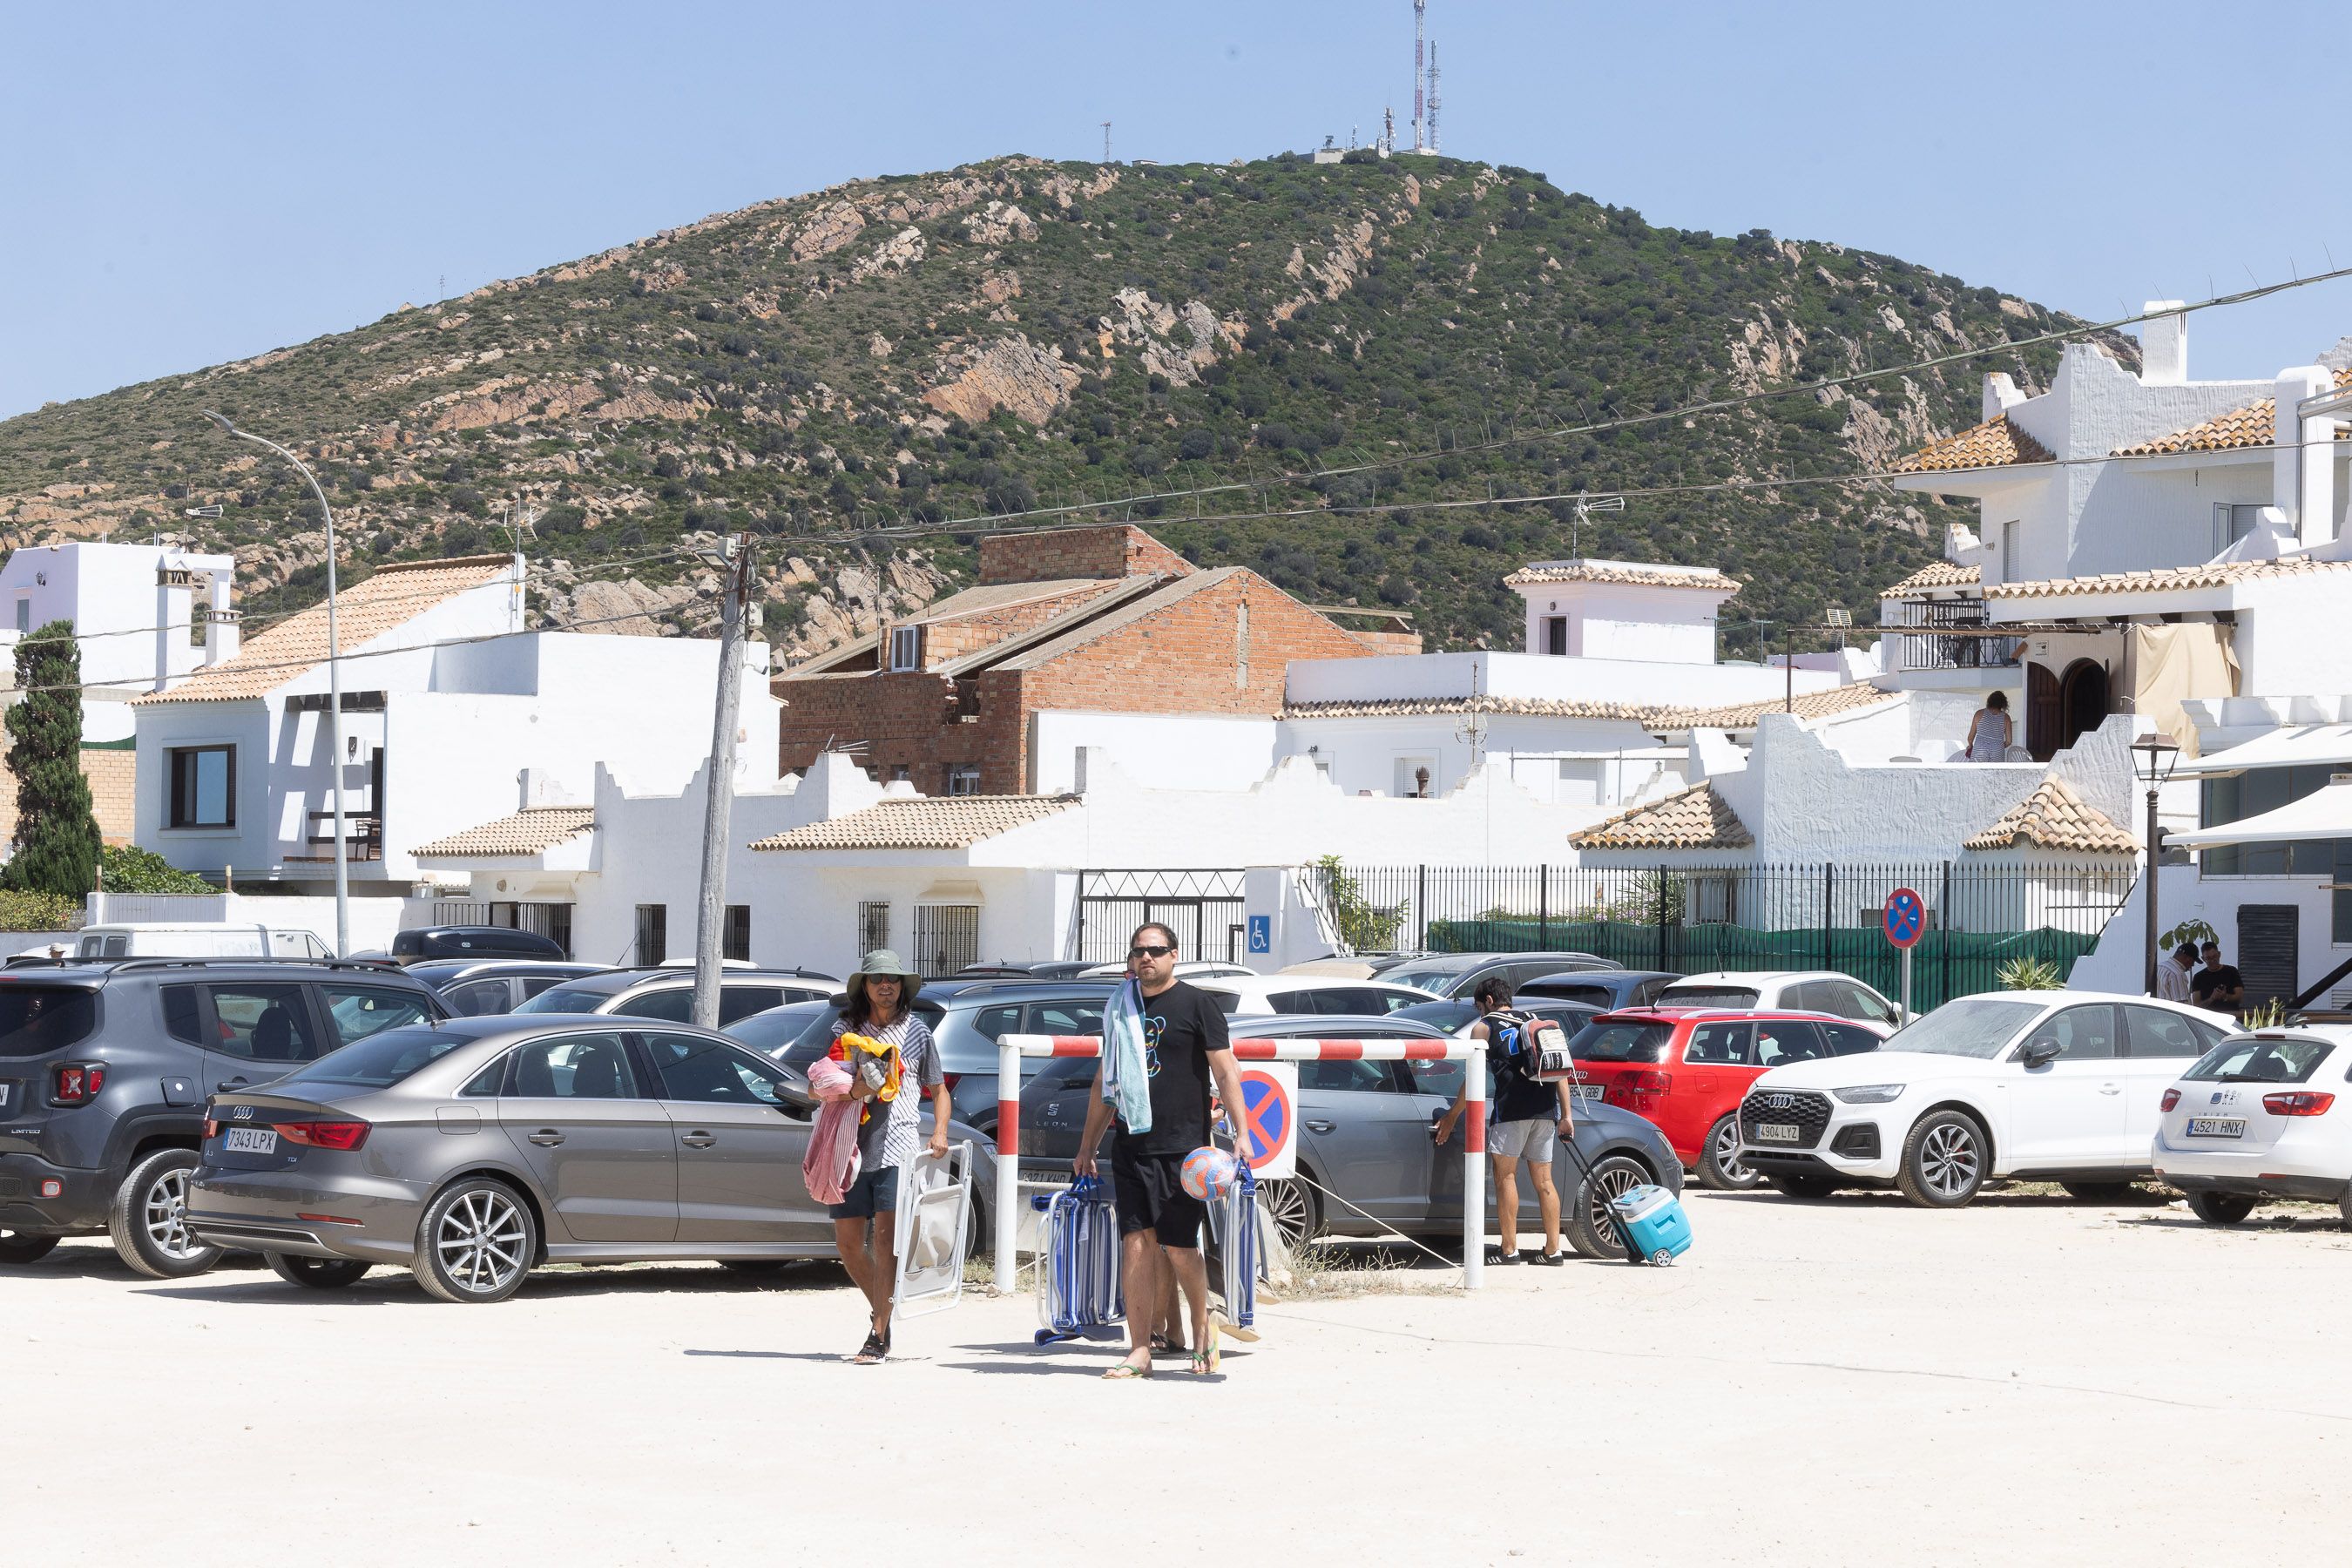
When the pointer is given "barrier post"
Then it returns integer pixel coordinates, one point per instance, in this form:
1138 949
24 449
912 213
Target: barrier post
1008 1163
1473 1166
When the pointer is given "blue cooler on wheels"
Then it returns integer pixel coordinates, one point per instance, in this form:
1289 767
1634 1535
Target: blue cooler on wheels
1653 1223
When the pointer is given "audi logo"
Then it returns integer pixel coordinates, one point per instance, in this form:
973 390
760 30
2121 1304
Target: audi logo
1779 1101
242 1114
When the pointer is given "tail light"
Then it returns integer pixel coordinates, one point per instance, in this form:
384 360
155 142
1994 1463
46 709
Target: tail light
2171 1099
324 1135
1633 1089
77 1083
2301 1103
212 1129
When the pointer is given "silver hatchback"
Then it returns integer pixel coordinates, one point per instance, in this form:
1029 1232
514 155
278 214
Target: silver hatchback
474 1149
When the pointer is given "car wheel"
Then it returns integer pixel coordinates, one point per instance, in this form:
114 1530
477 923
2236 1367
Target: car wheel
1944 1161
1803 1186
1292 1208
2220 1208
1590 1229
476 1242
20 1247
149 1218
318 1273
2100 1192
1719 1169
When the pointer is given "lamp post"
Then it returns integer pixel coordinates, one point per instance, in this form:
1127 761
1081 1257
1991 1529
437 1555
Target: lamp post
2153 758
335 689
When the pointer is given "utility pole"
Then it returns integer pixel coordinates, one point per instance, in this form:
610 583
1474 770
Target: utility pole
734 608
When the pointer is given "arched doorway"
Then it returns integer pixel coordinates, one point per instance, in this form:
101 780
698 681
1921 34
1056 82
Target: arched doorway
2084 699
2044 712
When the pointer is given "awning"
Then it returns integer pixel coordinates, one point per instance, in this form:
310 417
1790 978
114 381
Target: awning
2293 746
2325 813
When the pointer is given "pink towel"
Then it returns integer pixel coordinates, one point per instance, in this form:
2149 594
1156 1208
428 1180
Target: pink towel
831 1165
829 1080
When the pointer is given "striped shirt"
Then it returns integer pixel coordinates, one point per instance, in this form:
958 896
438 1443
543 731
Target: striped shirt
893 1136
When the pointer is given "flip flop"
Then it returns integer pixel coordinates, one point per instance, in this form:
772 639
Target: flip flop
1126 1372
872 1352
1208 1361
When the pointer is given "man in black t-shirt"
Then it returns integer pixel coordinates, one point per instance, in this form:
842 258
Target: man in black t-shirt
1527 1118
1160 1223
2218 985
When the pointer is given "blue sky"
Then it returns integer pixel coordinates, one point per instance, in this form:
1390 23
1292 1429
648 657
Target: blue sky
185 184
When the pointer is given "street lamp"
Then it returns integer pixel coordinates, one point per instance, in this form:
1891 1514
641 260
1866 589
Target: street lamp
2154 756
335 689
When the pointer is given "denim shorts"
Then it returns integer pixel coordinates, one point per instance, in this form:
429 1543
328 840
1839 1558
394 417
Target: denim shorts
875 1192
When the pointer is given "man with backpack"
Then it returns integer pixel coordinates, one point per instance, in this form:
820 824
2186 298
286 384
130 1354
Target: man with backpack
1527 1118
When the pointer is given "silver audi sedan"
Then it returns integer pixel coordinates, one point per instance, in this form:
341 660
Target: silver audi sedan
473 1150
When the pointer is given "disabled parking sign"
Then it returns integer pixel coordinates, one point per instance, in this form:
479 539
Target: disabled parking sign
1261 933
1269 1117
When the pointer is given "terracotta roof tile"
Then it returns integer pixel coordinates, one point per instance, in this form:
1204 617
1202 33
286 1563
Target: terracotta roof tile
1630 573
364 612
2255 424
921 822
1934 575
1650 716
2214 574
1995 444
530 831
2054 818
1695 818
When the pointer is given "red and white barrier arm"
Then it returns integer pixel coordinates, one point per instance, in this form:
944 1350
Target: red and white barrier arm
1011 1048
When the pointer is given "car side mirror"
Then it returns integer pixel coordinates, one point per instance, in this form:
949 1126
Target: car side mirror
2040 1053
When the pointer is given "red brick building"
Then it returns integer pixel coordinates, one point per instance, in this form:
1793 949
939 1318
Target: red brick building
1100 619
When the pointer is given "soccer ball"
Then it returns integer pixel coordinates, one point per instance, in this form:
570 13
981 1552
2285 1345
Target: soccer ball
1208 1174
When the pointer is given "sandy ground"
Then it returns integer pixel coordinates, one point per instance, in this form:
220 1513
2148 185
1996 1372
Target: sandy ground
2027 1381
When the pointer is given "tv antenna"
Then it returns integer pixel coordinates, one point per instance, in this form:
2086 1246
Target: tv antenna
1584 505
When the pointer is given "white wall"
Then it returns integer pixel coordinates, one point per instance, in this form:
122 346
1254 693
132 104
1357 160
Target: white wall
1454 675
136 633
1625 621
1362 754
1176 751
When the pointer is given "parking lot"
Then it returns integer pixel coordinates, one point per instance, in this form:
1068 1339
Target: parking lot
2027 1379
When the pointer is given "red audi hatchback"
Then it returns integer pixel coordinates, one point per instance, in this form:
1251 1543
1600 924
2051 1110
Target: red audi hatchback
1686 1068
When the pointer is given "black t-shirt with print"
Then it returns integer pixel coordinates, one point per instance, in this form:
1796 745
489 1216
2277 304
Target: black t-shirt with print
1512 1095
2214 978
1181 1027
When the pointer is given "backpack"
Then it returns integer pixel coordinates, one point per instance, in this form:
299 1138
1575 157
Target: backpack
1532 1047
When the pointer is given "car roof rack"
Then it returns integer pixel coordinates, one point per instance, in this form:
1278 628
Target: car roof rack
360 965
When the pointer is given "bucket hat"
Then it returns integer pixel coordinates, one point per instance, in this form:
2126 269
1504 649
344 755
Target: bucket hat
882 961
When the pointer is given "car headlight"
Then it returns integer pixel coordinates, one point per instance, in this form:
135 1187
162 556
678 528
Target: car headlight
1869 1093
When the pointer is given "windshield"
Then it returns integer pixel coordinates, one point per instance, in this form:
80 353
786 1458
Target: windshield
377 1062
1972 1026
37 1020
566 999
1734 996
773 1032
1446 1016
1436 980
1621 1043
2261 1062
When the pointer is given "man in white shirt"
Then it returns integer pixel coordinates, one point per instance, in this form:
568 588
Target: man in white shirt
2172 973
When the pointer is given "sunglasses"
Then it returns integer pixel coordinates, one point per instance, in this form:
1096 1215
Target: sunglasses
1152 952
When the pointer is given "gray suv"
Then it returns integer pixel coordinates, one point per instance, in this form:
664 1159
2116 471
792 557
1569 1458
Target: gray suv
668 993
104 1069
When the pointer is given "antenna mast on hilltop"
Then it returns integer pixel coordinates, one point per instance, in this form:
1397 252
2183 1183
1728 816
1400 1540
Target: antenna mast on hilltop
1420 21
1106 141
1433 97
1388 131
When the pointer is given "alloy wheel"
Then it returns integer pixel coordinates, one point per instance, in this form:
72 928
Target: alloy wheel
1949 1160
1284 1203
1612 1181
163 1213
1727 1153
480 1241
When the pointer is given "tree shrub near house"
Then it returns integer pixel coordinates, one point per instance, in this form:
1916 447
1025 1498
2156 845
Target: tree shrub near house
57 842
127 869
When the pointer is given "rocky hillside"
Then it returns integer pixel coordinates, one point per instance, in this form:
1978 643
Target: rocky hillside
856 371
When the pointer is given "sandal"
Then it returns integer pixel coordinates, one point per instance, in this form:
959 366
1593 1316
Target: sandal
1126 1372
872 1351
1208 1361
1162 1345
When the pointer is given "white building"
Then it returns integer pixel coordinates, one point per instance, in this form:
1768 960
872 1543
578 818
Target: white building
452 715
145 615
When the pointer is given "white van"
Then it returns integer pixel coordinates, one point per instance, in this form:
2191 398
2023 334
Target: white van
198 939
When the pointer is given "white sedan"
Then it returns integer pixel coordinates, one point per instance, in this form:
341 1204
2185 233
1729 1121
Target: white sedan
2059 1085
2256 1117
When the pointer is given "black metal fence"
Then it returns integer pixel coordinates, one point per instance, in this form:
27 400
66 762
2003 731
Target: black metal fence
1690 918
1204 907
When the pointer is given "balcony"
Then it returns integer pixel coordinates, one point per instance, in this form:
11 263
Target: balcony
1951 634
362 837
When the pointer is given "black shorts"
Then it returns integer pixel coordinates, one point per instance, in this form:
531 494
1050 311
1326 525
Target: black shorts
875 1190
1149 1190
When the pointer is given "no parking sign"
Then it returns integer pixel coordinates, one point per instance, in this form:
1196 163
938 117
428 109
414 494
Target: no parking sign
1269 1117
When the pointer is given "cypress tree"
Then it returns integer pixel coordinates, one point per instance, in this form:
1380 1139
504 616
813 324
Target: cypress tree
57 835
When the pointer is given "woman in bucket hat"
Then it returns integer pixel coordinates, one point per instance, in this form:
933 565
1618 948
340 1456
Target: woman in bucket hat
879 1007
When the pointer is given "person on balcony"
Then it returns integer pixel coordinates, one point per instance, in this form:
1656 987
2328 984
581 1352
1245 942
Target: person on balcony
1988 731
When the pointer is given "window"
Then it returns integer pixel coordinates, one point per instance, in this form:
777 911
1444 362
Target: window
477 999
873 925
1778 1042
2257 790
671 1005
1847 1000
1705 996
378 1062
1845 1040
204 787
991 1024
37 1020
1555 628
743 1001
264 1023
906 647
710 1073
574 1067
355 1014
653 933
947 937
2261 1061
1347 1077
736 943
1415 777
1066 1018
24 612
1711 1045
2010 572
487 1082
1631 1042
2156 1033
181 1018
963 778
2233 521
2084 1033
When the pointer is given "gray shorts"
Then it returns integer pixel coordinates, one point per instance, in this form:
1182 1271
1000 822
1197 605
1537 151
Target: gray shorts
1536 1138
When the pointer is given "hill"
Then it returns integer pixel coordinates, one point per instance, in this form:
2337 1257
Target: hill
906 353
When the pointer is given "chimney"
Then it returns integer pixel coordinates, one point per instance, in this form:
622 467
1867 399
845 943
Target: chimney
2303 457
222 634
2164 345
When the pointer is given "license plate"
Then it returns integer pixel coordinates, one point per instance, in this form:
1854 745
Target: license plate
1593 1092
2217 1127
252 1141
1776 1132
5 1087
